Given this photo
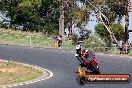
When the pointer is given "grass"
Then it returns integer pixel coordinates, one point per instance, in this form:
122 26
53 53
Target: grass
68 45
114 50
39 39
11 72
13 37
117 51
130 53
24 40
110 50
18 32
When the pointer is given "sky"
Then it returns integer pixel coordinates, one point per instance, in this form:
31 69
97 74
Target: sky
130 26
91 24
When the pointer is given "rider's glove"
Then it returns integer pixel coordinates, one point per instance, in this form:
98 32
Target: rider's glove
76 54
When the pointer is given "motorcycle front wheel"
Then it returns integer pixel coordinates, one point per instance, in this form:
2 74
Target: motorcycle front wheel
95 68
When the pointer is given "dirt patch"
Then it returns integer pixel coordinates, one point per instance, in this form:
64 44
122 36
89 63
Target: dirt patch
11 72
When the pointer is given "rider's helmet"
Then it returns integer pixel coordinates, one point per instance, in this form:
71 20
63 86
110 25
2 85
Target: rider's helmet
78 48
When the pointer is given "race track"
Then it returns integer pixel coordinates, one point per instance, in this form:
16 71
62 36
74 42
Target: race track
63 64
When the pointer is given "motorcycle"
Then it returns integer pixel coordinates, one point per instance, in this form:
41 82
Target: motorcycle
81 73
87 60
92 65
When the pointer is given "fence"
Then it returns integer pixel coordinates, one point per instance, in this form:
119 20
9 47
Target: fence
39 41
112 50
105 49
33 41
24 40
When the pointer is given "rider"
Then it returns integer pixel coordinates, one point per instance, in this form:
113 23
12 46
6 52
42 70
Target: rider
84 56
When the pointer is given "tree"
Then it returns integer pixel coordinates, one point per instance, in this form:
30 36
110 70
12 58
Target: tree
94 43
65 18
77 16
103 33
109 10
70 5
34 15
9 6
118 30
49 13
27 15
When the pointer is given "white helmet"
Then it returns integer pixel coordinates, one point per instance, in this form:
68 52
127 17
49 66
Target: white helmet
78 47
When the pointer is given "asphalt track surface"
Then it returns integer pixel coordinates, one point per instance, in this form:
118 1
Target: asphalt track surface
63 64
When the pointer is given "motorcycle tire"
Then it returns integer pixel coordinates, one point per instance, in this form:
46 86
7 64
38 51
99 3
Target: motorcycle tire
96 69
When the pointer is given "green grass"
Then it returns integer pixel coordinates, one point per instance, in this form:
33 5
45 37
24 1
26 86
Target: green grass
130 53
11 72
114 50
41 40
13 39
68 45
36 41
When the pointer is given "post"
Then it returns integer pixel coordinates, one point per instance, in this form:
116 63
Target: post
115 48
30 41
114 45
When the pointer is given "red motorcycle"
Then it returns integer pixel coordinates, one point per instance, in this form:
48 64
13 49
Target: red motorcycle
90 64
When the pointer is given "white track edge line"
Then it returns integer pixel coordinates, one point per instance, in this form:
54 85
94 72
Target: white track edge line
50 75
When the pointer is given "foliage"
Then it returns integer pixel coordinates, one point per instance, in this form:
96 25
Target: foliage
103 33
22 38
112 9
118 31
34 15
49 12
117 8
43 15
93 41
80 15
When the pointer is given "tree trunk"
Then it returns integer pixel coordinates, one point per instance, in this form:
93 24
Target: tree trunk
105 22
70 28
69 6
108 27
61 20
125 44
